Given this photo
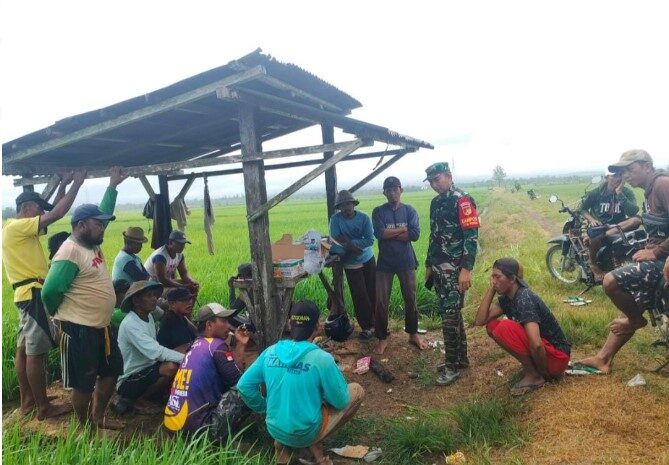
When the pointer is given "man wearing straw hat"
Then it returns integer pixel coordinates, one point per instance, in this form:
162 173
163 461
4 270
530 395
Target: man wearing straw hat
148 367
127 265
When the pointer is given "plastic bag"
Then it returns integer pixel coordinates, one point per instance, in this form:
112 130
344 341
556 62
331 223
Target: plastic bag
313 260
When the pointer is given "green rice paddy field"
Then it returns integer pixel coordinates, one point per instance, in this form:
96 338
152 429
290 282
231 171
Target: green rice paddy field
489 429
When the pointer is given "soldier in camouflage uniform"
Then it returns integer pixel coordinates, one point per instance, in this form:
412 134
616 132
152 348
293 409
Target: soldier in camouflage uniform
451 254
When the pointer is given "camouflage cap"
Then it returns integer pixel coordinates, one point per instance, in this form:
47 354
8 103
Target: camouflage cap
435 170
630 157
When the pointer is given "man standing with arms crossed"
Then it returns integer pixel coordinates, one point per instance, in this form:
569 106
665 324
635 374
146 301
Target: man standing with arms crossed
26 267
396 227
451 253
78 290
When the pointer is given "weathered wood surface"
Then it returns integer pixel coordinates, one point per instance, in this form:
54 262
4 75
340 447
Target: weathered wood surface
264 289
147 186
313 174
376 172
137 115
327 132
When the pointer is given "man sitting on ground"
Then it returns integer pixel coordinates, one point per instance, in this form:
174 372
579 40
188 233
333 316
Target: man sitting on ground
148 367
165 261
127 265
530 332
200 395
307 397
177 331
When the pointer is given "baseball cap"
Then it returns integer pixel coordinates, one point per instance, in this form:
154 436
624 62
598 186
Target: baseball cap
391 181
214 310
435 170
179 294
88 210
303 320
630 157
178 236
30 196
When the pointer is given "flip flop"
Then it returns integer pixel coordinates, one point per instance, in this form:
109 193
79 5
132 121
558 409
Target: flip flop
579 369
522 389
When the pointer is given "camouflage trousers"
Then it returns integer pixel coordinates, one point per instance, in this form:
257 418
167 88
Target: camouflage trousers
450 308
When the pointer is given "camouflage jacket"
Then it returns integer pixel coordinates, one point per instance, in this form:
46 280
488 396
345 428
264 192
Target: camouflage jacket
454 232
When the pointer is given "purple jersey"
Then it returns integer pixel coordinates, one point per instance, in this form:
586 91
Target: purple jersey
207 371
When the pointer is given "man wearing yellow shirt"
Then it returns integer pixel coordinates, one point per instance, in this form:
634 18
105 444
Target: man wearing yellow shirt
26 268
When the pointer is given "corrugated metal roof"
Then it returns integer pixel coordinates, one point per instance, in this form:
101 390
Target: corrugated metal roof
164 126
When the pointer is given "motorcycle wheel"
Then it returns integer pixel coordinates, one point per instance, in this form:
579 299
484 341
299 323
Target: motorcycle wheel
561 267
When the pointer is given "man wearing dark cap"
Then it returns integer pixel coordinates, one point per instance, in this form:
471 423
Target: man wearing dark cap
307 397
127 265
148 367
396 226
165 261
177 331
354 232
631 288
78 291
200 395
451 254
26 267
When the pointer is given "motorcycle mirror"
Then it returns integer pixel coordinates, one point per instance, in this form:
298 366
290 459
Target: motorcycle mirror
553 198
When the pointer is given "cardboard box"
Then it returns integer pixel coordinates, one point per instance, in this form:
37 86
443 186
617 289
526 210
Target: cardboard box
284 249
289 268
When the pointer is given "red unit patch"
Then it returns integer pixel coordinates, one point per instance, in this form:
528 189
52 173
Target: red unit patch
467 214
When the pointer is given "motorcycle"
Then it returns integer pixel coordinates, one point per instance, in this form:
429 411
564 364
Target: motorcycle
568 259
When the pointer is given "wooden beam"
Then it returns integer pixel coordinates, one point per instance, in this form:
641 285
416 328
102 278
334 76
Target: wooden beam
313 174
138 171
50 188
164 187
327 132
301 111
376 172
136 115
274 82
147 186
187 185
264 288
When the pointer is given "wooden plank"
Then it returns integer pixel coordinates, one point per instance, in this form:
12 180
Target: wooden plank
376 172
288 107
138 171
313 174
50 188
327 132
147 186
136 115
274 82
186 186
264 288
164 187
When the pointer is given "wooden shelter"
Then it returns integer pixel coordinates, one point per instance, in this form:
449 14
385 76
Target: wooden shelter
219 117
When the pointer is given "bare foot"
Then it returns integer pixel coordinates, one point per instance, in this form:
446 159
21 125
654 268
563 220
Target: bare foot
595 362
54 410
110 423
381 346
418 341
623 326
29 405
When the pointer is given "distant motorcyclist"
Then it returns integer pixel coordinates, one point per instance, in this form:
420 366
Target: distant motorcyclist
609 203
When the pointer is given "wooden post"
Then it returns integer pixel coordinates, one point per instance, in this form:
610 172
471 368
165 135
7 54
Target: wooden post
327 130
163 186
267 317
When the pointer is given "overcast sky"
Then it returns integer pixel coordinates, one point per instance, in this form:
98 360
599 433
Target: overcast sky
531 86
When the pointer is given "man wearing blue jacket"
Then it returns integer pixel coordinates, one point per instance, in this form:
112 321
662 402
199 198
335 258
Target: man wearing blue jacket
307 397
355 236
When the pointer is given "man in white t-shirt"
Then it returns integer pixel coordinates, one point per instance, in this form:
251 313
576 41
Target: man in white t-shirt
165 261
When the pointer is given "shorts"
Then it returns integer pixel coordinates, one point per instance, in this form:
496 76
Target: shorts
640 280
86 353
512 336
135 385
36 332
